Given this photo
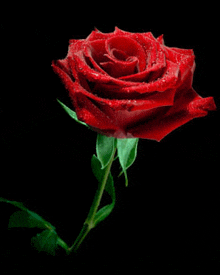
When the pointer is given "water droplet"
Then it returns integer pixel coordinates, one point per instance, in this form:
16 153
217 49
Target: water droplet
95 74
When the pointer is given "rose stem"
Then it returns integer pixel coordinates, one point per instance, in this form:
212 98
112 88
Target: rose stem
89 222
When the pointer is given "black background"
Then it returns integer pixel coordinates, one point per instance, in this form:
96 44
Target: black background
167 219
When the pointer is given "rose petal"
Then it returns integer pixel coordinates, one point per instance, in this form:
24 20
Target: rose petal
129 46
138 103
95 52
88 112
94 76
155 59
156 62
83 107
62 68
168 80
185 59
187 107
117 68
115 116
96 35
124 86
75 46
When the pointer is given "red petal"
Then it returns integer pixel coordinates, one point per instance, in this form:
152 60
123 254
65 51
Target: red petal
94 76
88 112
129 46
184 58
96 35
62 68
168 80
187 107
117 68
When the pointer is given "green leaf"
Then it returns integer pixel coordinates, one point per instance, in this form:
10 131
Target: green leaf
62 244
127 152
105 149
103 213
15 203
26 218
45 241
71 113
109 188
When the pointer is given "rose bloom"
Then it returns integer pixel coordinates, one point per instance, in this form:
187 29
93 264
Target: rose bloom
130 85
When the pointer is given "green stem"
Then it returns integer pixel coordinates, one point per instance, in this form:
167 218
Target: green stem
89 222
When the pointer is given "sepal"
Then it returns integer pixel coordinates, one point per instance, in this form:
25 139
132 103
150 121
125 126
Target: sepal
105 149
127 152
71 113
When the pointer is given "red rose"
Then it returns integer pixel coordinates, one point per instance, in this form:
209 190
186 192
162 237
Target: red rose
130 85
